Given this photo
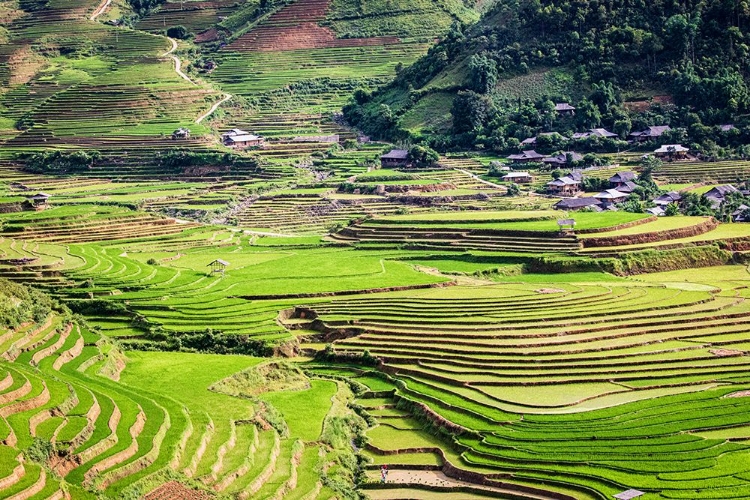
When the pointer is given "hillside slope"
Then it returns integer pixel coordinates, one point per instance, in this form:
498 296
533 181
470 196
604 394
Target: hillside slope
67 81
292 64
622 64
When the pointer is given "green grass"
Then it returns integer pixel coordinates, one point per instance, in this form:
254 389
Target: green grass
304 411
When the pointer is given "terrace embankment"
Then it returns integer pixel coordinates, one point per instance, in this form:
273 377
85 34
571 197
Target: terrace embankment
652 237
348 292
296 27
458 238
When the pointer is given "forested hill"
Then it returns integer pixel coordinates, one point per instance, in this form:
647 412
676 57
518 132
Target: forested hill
526 54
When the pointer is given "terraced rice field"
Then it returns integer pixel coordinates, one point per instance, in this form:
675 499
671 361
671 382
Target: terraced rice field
118 430
720 172
439 349
93 86
585 388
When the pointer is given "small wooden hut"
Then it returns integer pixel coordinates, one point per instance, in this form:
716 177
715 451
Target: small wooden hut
218 266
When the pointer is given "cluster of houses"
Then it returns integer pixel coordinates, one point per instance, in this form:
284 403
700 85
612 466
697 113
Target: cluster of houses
671 151
622 185
648 134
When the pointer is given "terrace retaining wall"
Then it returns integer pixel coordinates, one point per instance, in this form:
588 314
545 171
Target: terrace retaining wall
652 237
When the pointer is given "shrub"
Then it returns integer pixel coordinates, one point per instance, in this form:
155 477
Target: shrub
423 156
40 450
179 32
61 162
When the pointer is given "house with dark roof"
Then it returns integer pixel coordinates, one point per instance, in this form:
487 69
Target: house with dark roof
563 109
526 157
578 204
595 132
650 133
742 214
666 199
531 141
395 158
621 178
627 187
562 159
38 201
718 194
576 175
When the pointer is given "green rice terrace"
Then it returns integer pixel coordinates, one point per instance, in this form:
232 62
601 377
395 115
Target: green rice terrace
184 317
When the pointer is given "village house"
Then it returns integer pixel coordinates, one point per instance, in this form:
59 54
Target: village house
611 197
717 195
564 109
671 152
595 132
621 178
657 211
587 202
526 157
531 141
650 133
237 138
518 177
742 214
563 159
627 187
38 201
564 186
181 133
395 158
666 199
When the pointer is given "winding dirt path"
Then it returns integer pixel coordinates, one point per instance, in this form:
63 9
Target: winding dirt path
101 9
213 108
479 179
178 70
177 61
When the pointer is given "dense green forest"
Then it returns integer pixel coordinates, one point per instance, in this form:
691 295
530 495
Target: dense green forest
497 82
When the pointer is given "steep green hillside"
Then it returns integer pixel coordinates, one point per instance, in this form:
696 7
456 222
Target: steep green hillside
623 65
300 62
